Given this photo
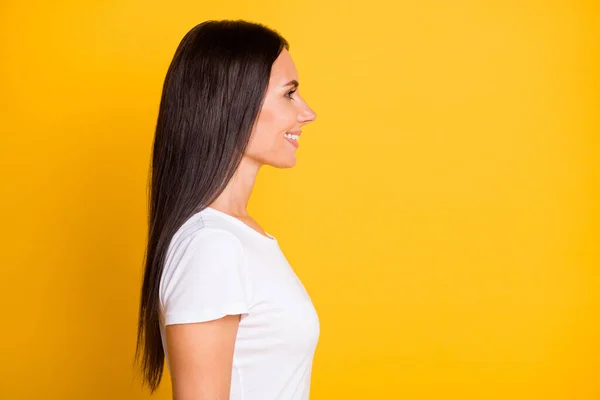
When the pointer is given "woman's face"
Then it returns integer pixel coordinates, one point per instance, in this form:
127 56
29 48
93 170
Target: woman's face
283 111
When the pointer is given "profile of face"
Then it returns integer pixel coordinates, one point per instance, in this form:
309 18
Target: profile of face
283 112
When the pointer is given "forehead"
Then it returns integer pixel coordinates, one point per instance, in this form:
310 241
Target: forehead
283 69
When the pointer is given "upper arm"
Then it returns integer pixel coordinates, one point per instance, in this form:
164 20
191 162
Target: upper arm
201 358
203 295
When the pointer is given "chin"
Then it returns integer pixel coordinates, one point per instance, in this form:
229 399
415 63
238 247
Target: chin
287 163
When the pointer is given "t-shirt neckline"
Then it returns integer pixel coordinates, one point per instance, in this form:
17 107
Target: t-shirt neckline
241 223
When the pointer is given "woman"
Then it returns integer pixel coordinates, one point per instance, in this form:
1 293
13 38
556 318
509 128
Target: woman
219 298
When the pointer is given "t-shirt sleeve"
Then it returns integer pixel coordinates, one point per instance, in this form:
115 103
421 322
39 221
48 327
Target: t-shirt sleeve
207 281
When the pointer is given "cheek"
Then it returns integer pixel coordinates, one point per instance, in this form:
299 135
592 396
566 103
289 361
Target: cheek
275 120
264 135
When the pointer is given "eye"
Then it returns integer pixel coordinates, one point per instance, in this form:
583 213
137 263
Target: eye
289 94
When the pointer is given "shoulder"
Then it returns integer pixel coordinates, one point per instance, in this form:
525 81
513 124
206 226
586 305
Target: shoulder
209 240
202 231
205 259
198 248
215 240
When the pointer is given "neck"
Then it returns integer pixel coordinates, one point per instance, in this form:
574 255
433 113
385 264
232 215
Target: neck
236 196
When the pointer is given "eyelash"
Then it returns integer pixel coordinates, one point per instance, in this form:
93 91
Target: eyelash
288 94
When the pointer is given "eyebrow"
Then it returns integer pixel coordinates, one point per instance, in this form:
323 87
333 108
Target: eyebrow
293 82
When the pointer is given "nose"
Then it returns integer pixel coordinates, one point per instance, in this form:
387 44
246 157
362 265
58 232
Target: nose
307 115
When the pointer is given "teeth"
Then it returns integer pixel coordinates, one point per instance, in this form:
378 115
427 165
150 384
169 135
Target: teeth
294 137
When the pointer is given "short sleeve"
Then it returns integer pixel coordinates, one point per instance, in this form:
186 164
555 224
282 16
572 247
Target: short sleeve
206 280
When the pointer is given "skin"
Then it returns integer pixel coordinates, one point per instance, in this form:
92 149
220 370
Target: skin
284 110
201 354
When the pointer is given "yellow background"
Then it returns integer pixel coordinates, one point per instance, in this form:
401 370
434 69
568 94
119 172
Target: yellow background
443 213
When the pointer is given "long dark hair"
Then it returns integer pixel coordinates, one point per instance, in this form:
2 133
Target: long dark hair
212 94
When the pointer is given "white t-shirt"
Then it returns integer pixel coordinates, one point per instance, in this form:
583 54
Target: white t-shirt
217 265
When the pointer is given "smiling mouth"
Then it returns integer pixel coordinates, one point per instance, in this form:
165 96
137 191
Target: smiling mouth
292 136
294 142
